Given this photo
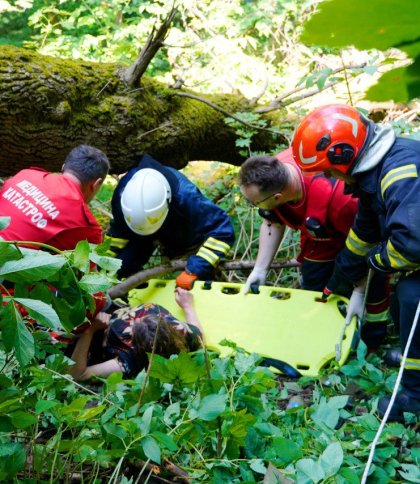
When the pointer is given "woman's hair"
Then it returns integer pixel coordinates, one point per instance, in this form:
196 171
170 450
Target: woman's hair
169 340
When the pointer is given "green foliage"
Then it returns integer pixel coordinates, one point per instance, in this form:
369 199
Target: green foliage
377 24
51 289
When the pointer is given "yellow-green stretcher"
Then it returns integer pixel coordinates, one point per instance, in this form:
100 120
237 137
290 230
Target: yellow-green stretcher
296 332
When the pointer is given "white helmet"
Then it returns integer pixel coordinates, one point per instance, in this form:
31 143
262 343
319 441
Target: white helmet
145 201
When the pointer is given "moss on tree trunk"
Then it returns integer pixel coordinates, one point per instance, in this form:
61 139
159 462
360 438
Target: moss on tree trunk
49 105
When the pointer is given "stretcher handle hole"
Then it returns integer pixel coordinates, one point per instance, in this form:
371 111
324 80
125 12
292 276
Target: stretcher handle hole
230 290
283 296
302 366
160 284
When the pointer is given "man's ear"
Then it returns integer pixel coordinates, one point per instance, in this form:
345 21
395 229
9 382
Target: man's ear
96 185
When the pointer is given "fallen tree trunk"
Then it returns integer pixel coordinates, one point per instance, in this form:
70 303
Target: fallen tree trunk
49 105
135 280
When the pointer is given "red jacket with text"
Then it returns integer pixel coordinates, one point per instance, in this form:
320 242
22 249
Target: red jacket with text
324 216
48 208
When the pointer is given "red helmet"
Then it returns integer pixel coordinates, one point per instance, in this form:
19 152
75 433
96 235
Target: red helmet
330 137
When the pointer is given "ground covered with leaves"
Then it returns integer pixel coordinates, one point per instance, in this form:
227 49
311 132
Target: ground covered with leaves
202 418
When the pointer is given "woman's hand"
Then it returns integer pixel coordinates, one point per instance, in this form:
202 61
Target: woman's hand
101 321
184 298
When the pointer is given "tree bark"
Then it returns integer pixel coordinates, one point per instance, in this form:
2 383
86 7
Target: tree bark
48 106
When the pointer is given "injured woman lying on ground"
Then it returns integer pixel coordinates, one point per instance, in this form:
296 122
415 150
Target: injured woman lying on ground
119 342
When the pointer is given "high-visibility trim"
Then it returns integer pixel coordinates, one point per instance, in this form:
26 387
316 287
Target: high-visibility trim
376 318
357 245
208 255
397 260
379 260
406 171
118 243
215 244
412 364
111 253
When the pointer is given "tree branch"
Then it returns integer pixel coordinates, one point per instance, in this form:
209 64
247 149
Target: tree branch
280 102
230 115
154 42
136 279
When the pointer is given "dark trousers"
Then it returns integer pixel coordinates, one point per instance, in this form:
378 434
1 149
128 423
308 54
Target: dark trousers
315 276
408 295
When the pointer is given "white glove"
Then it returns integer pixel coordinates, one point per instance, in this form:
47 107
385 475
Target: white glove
355 306
257 276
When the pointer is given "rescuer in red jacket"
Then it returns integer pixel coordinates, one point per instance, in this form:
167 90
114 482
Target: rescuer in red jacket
317 207
53 208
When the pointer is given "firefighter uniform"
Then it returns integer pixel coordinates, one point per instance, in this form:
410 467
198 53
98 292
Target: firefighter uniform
48 208
193 224
324 217
386 233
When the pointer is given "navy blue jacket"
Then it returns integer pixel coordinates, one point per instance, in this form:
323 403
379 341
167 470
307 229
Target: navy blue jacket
387 224
193 222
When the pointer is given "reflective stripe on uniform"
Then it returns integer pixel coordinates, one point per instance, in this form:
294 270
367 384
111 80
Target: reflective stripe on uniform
212 243
406 171
356 245
118 243
397 260
208 255
412 364
378 317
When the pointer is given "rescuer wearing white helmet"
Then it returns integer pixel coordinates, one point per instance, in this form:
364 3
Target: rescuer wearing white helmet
157 206
145 201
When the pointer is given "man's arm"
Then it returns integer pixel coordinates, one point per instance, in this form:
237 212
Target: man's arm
271 234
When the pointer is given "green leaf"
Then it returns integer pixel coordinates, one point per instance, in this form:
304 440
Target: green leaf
211 407
146 420
43 313
332 459
12 459
165 440
172 412
21 420
182 368
81 256
90 413
43 405
350 475
411 473
34 267
16 335
286 450
384 24
151 448
94 282
9 252
4 222
307 468
114 430
257 465
109 264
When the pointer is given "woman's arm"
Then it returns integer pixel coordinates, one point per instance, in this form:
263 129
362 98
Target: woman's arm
185 299
80 371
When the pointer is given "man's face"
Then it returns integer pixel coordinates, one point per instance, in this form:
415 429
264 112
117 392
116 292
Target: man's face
265 201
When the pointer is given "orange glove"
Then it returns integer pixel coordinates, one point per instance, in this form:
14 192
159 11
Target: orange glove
186 280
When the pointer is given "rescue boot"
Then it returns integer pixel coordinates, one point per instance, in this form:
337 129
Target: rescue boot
392 358
403 403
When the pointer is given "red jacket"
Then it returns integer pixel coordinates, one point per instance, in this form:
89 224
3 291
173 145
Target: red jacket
47 208
324 200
